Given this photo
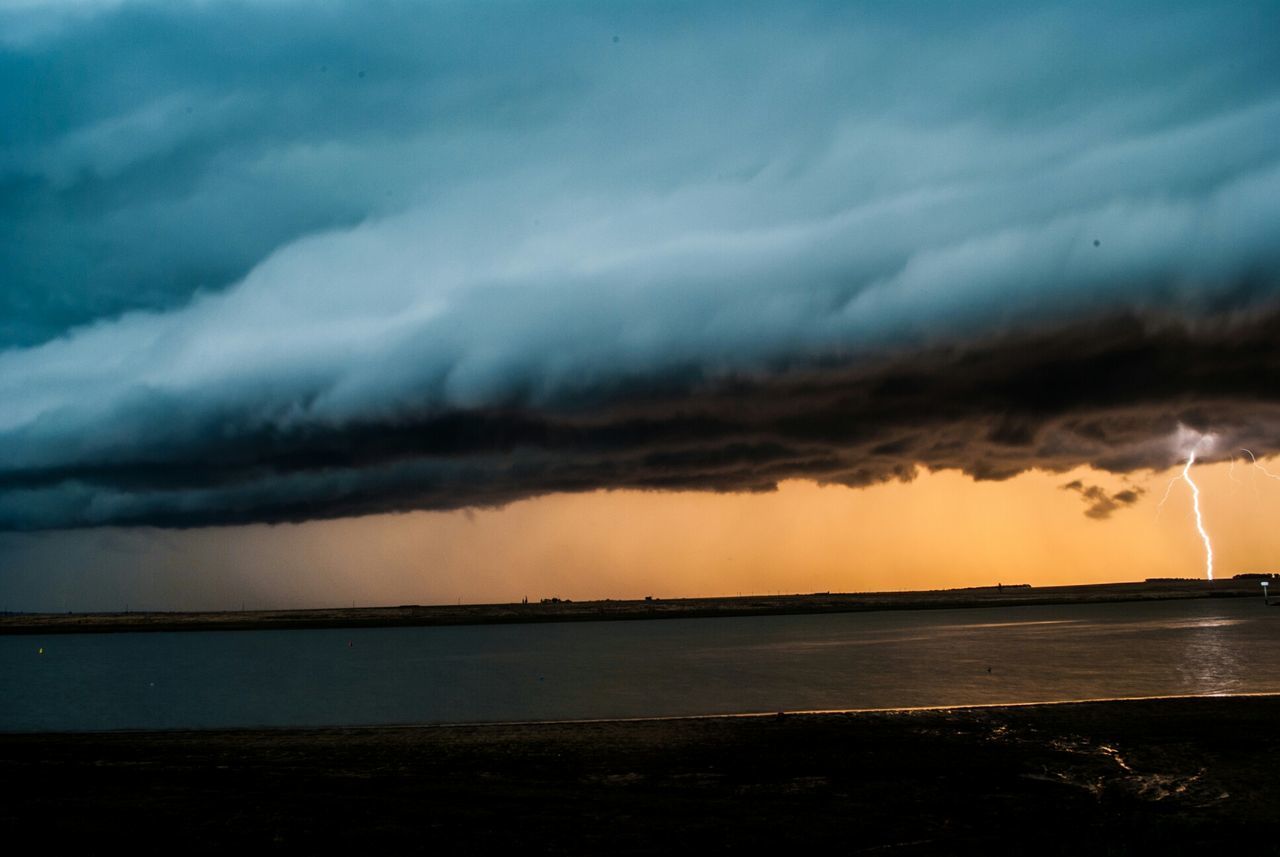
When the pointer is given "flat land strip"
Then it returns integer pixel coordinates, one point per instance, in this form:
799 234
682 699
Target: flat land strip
578 611
1176 776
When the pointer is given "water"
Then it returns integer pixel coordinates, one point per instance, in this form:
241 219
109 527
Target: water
635 669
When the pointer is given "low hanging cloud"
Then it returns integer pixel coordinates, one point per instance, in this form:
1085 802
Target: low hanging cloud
1101 503
436 257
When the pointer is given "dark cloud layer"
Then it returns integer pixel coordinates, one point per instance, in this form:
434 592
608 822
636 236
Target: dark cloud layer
266 266
1101 503
1121 394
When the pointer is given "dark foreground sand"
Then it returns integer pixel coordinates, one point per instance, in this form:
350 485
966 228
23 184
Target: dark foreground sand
1179 776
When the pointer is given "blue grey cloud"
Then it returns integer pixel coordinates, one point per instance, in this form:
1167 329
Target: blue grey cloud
278 261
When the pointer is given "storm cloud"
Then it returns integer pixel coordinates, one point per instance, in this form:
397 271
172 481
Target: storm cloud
1100 503
279 261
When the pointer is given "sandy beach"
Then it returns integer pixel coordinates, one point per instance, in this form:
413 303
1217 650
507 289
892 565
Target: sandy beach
1174 776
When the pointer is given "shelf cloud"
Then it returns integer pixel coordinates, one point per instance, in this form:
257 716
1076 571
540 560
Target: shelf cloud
268 266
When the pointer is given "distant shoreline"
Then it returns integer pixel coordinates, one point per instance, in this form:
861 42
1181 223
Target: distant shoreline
629 610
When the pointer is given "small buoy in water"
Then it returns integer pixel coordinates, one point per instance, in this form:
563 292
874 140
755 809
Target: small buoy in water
350 644
988 669
40 651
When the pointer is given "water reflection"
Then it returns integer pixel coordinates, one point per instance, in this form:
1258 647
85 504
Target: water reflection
638 669
1212 660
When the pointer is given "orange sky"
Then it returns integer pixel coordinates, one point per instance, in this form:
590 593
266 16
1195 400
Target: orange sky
942 530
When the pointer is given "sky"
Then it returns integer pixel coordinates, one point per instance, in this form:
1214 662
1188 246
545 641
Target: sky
395 302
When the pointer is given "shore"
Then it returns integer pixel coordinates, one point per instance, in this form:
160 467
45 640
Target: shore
1175 776
616 610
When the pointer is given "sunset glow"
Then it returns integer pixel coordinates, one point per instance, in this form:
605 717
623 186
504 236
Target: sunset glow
942 530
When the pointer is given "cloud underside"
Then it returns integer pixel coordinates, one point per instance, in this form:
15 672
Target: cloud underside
1110 393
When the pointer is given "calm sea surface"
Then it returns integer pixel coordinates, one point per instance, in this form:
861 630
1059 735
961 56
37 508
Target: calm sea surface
637 668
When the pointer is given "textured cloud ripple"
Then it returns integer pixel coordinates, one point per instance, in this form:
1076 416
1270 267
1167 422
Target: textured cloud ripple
281 262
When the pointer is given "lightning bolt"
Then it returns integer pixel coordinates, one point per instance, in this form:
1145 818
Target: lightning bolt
1185 476
1165 498
1195 503
1258 464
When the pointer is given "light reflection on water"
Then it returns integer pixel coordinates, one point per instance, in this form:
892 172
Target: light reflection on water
1210 661
636 669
